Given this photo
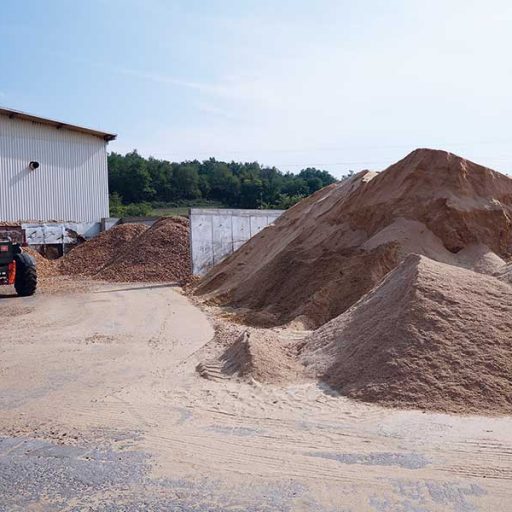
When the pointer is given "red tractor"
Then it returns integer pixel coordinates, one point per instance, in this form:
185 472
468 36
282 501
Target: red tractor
17 268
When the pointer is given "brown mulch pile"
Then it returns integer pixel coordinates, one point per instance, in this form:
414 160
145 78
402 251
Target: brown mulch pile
134 252
161 253
430 336
89 257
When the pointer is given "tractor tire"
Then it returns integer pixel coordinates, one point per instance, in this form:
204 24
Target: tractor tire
25 283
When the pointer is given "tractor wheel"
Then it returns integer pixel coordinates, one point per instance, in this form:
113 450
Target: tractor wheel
26 275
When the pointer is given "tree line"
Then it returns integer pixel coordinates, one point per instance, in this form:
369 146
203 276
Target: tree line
139 184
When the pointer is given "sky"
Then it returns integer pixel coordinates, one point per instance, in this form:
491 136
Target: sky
335 84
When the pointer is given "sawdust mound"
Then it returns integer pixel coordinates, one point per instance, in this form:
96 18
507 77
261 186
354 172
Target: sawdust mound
430 336
160 253
326 252
257 356
89 257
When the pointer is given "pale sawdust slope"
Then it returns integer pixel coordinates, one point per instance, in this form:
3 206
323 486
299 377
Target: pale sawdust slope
414 237
325 253
431 336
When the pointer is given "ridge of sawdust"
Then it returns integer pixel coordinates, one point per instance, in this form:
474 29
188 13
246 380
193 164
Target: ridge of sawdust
505 273
309 263
251 354
430 336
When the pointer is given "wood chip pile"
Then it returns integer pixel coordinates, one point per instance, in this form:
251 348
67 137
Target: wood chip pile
134 252
161 253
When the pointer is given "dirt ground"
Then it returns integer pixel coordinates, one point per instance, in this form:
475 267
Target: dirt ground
101 409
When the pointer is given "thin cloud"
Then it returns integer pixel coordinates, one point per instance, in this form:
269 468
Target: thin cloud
215 110
232 87
242 87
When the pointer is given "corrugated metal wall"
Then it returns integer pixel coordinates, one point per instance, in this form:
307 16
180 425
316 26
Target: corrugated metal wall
71 183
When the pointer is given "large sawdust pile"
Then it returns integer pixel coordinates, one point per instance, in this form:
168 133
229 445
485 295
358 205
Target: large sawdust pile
162 253
134 252
326 252
89 257
431 335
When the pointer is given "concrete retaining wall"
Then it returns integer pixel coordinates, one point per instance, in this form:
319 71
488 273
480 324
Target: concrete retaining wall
216 233
61 233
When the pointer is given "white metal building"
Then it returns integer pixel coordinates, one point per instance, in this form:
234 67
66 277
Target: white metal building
51 171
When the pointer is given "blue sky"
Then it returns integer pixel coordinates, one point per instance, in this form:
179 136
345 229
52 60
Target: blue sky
334 84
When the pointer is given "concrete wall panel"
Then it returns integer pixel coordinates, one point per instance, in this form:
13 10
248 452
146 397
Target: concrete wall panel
241 231
217 233
59 233
222 237
258 223
201 241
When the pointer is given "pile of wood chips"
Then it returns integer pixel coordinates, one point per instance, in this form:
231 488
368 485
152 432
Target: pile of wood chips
134 252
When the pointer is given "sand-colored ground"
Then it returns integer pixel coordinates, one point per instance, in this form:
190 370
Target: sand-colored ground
101 409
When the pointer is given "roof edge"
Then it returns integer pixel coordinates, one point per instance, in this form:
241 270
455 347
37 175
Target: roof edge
17 114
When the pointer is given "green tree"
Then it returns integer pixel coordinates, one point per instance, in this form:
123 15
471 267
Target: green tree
185 180
315 179
130 178
116 207
134 179
251 193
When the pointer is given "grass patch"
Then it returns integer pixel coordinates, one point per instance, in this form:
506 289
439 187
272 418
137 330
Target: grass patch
181 208
170 212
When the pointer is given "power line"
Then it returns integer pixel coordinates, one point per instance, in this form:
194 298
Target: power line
341 148
308 163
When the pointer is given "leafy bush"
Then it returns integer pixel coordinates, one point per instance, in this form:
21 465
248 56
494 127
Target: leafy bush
118 209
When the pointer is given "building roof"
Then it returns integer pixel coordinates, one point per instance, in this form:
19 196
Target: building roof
16 114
